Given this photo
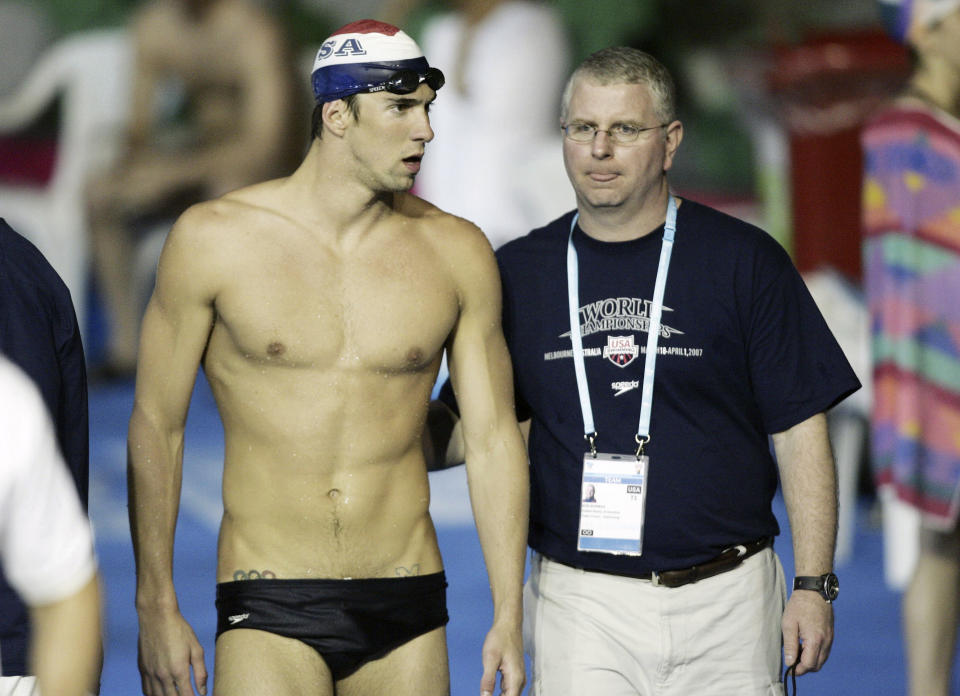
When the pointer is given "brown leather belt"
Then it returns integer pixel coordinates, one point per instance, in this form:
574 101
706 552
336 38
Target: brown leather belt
727 560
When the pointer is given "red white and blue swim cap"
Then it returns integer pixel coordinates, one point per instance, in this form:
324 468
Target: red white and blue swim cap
361 57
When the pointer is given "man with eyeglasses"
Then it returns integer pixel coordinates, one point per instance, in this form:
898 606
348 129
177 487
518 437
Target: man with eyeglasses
319 306
656 345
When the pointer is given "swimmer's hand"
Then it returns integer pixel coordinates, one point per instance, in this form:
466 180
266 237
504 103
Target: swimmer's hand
503 652
167 649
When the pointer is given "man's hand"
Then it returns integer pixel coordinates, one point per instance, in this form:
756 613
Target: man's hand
168 648
807 618
503 652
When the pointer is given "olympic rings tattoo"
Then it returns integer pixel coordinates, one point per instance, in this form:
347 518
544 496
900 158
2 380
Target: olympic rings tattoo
254 575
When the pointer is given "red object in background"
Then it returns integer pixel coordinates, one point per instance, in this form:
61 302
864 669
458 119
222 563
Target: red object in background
827 87
27 161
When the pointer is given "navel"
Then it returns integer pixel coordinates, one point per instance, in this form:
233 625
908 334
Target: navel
333 493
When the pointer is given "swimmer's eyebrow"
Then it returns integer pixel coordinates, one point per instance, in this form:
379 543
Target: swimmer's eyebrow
410 101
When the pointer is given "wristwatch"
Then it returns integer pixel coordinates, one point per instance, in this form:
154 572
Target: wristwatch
827 585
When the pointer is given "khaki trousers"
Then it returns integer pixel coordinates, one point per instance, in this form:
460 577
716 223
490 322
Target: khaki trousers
593 634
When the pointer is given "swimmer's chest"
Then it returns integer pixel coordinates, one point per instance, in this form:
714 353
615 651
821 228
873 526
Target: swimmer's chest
383 314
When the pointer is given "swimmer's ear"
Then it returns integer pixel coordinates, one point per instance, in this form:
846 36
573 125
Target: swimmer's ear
336 116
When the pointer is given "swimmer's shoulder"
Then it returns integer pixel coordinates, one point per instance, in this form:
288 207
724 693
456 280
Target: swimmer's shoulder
196 235
194 247
461 248
220 219
440 226
249 204
213 241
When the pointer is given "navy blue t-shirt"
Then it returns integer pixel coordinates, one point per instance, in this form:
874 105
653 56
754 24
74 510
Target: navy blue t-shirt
39 333
743 352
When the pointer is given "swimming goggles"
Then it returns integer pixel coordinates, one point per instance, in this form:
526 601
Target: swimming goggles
407 81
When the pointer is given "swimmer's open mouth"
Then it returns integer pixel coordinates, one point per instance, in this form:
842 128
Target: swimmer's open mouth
413 159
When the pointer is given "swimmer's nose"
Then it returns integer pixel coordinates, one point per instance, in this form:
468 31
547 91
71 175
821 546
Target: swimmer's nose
423 131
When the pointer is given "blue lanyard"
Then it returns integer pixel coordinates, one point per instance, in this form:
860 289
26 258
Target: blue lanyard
653 331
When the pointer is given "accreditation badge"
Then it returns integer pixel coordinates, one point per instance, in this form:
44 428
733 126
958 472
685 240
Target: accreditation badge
612 503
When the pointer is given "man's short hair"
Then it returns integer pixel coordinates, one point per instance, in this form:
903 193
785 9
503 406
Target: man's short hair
316 122
621 65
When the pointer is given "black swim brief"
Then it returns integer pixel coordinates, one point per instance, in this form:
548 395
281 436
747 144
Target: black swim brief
349 622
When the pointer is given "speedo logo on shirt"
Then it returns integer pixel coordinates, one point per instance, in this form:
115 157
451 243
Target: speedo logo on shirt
623 387
237 618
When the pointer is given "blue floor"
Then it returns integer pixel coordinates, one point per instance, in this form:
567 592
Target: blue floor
867 656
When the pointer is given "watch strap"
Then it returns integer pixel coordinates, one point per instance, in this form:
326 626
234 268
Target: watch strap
826 585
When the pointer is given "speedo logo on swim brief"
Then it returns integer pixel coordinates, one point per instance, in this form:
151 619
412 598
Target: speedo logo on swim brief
237 618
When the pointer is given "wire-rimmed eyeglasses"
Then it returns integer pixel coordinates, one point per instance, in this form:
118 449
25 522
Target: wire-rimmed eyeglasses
620 133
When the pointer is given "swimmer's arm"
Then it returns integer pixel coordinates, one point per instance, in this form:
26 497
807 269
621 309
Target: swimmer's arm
443 437
496 462
175 330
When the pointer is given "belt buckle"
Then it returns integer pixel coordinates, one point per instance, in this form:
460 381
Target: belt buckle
741 550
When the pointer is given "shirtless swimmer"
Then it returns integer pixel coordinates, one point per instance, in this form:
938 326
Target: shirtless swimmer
319 306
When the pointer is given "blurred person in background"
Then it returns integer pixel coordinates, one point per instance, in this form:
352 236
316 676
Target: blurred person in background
39 334
911 215
46 548
496 157
227 70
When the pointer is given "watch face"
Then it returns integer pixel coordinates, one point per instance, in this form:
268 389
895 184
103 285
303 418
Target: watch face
831 586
